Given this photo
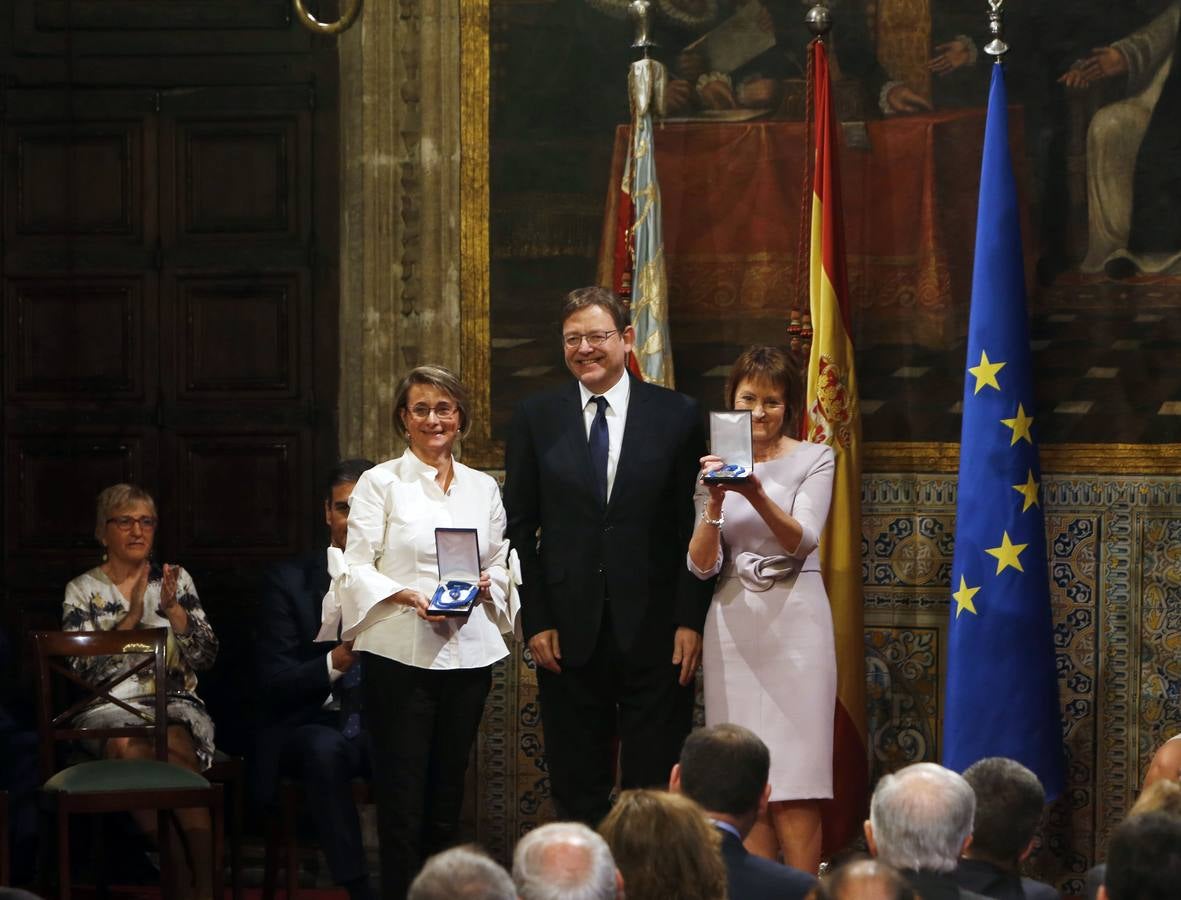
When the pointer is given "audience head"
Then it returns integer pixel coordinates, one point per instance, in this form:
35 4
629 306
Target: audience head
337 488
761 371
1160 796
1009 804
864 879
920 818
564 861
125 522
665 847
1144 859
462 873
428 387
724 769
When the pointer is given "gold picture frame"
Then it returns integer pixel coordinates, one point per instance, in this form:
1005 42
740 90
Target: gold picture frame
481 450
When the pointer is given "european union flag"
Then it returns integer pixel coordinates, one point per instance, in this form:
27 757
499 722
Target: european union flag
1002 687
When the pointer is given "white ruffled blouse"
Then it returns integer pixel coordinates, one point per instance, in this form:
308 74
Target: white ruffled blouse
393 513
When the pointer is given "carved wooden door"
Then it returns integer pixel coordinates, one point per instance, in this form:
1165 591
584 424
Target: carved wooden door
168 321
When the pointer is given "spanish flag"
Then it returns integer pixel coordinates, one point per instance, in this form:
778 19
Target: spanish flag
832 416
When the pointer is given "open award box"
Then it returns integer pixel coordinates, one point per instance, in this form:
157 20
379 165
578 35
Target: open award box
730 437
458 551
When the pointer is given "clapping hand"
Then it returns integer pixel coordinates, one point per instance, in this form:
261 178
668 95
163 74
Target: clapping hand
167 587
169 606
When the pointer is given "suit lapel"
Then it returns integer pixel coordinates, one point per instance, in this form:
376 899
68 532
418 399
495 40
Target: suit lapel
637 431
572 427
317 581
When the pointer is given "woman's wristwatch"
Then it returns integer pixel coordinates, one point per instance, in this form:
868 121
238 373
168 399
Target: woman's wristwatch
716 523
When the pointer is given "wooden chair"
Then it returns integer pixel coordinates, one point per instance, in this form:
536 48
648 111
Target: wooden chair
230 772
113 785
282 836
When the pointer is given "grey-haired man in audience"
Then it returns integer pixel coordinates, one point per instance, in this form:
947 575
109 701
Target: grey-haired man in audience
920 821
565 861
462 873
1009 805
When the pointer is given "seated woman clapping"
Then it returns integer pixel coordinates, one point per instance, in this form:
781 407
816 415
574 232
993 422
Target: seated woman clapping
128 591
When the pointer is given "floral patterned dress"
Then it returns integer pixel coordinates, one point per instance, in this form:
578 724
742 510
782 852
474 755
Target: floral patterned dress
94 603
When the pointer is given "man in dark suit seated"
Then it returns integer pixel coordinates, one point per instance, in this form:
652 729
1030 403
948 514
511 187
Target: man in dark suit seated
1143 862
1009 804
724 769
920 821
310 729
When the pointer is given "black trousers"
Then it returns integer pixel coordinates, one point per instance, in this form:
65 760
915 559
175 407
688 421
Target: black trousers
585 708
325 763
422 723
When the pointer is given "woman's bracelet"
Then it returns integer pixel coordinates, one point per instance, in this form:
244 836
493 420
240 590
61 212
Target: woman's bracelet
716 523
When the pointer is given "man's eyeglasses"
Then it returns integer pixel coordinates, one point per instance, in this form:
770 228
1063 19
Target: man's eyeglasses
443 411
124 523
594 338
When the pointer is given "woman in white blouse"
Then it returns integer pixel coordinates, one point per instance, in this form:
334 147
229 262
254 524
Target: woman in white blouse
425 677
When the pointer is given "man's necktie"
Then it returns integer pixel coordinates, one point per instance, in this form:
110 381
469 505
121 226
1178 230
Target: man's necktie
348 692
599 443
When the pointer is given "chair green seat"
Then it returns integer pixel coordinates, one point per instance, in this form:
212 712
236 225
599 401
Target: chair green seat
123 775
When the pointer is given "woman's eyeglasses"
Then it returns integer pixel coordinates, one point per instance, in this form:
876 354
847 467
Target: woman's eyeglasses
442 411
125 523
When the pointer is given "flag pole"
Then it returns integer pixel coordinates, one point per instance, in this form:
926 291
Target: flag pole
1001 691
832 416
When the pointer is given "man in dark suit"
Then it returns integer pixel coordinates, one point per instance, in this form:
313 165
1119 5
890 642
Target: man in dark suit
724 768
304 683
1143 862
599 488
920 821
1009 805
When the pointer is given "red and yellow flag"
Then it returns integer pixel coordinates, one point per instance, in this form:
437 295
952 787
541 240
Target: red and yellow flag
833 417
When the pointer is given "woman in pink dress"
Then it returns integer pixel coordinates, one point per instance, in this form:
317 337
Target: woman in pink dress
768 653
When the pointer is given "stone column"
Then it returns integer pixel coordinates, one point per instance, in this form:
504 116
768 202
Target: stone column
400 77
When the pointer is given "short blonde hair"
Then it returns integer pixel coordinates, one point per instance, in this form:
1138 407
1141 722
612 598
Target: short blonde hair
114 498
443 379
1160 796
665 847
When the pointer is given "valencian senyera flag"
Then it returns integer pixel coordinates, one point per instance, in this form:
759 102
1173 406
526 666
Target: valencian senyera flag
1002 688
833 417
653 359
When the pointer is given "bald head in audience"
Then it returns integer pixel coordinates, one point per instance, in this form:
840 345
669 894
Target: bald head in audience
864 879
565 861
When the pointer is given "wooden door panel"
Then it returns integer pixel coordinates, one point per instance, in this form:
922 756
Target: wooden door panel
236 167
240 338
156 26
237 178
81 341
238 496
58 195
80 180
53 480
